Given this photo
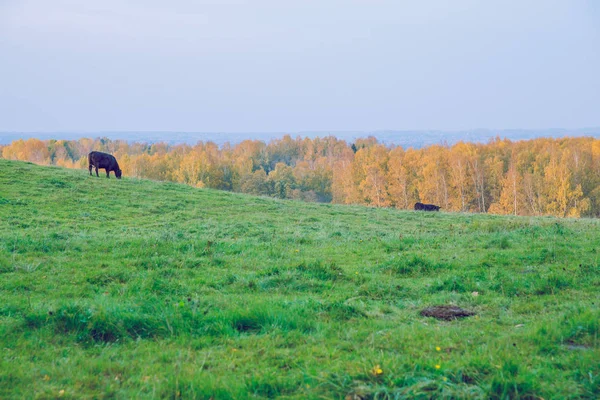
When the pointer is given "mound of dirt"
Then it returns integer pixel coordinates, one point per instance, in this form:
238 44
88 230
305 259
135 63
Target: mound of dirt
446 312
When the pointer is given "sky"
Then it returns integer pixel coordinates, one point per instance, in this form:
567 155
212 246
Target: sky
298 65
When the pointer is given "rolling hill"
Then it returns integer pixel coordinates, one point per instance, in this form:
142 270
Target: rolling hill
140 289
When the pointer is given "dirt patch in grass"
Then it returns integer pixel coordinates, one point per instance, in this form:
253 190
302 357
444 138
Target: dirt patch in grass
446 312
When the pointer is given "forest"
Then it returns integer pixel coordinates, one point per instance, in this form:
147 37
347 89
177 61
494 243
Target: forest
554 177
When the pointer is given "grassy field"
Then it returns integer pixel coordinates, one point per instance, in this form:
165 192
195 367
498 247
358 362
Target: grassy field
140 289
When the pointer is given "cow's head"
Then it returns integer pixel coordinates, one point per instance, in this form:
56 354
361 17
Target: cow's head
118 173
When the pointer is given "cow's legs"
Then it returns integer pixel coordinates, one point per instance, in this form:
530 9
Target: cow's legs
90 168
107 173
97 172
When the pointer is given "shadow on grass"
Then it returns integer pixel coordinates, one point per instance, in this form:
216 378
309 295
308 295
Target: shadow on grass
115 322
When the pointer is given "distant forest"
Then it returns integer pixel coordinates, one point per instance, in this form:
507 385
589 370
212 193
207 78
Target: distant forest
558 177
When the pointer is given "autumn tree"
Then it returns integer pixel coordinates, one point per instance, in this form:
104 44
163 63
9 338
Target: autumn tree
511 199
399 179
432 178
463 186
563 198
282 180
370 175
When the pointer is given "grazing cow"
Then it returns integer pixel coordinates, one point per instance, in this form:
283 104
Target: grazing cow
426 207
102 160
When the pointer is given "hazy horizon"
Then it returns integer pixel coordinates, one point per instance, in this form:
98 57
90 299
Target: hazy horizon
300 66
415 139
290 132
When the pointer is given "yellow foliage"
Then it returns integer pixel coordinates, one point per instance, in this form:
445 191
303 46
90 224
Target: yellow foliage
559 177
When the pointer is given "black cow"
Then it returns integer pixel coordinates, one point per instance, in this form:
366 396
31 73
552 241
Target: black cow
426 207
102 160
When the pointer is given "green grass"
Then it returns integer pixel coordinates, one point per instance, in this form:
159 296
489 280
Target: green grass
139 289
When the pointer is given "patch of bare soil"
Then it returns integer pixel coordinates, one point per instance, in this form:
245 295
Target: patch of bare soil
446 312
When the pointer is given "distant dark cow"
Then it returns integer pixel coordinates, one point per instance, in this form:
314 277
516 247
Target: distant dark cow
102 160
426 207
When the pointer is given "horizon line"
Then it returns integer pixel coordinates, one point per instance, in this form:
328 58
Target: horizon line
295 131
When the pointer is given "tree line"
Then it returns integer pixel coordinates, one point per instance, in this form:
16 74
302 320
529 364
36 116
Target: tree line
559 177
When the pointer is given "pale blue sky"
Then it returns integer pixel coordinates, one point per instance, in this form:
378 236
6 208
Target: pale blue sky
298 65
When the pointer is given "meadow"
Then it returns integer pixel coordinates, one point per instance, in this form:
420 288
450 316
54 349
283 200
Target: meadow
143 289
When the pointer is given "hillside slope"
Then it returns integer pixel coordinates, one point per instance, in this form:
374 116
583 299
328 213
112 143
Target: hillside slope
135 288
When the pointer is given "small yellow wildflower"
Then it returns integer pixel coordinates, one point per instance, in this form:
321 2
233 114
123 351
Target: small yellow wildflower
438 348
234 350
297 250
438 366
46 378
61 392
377 370
444 379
